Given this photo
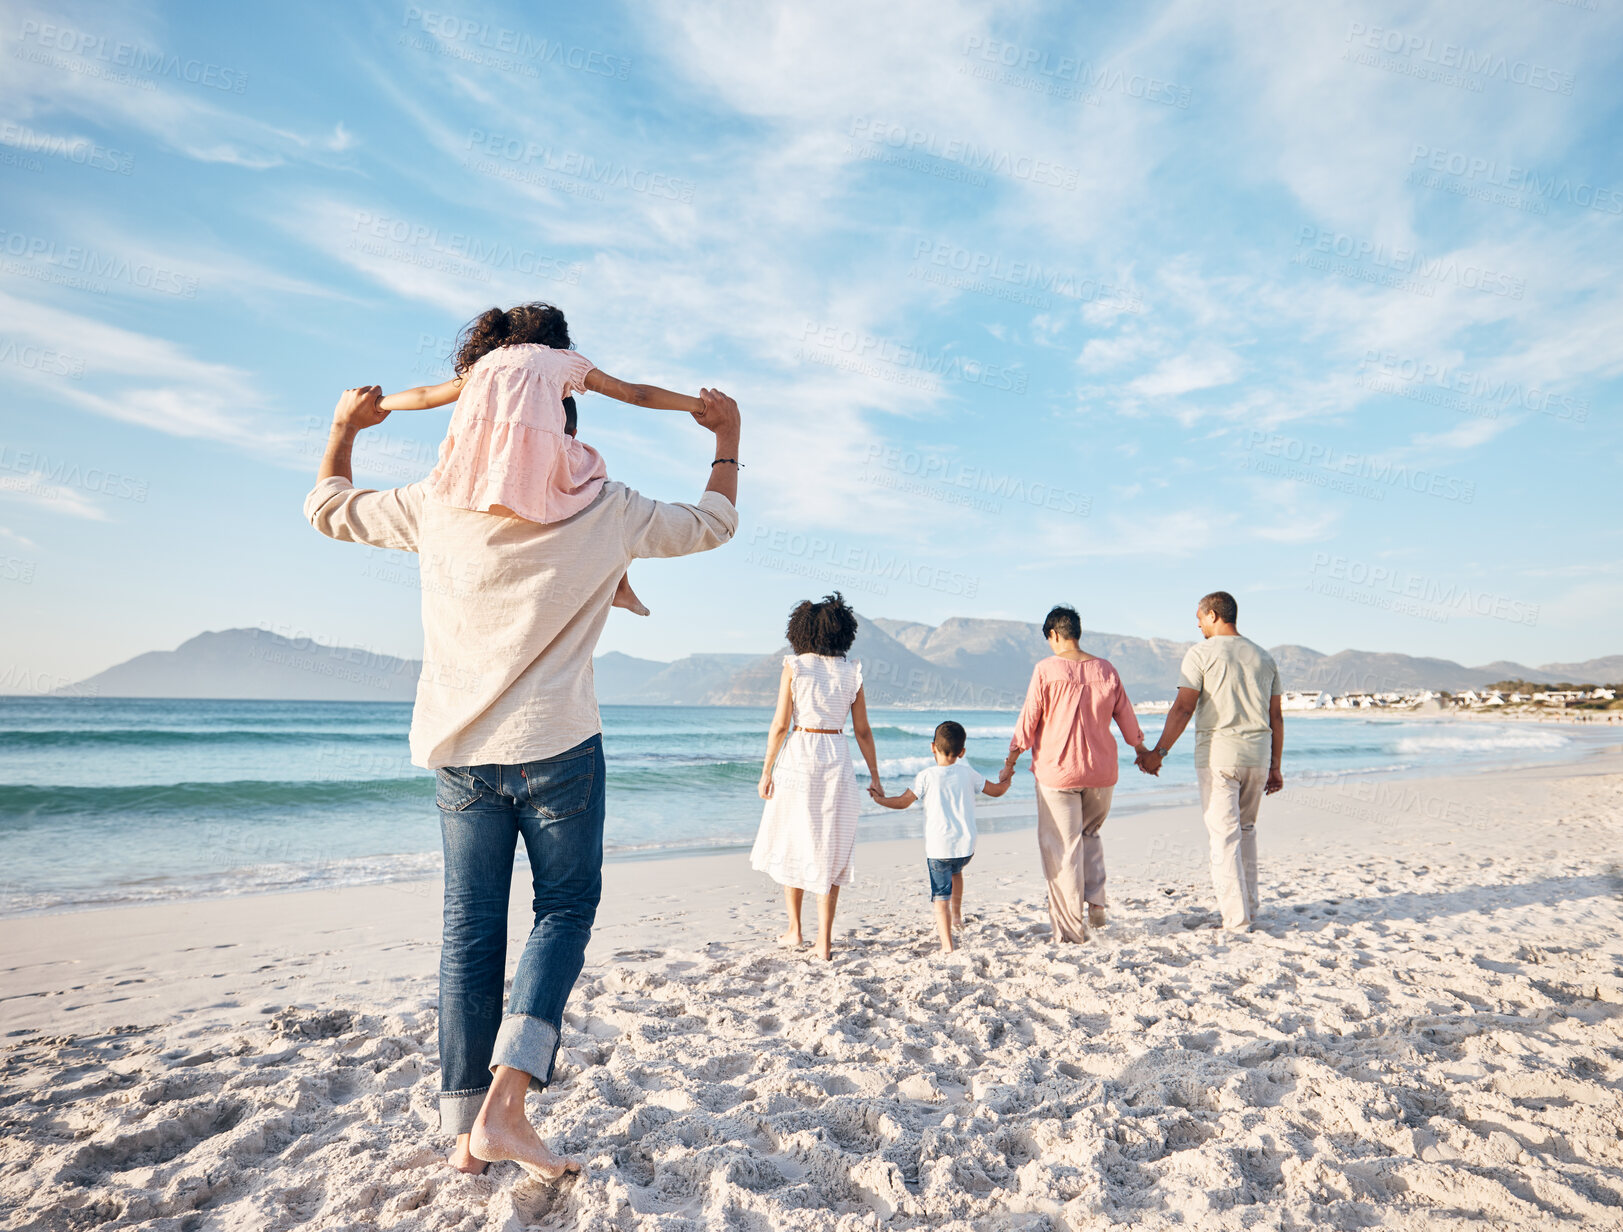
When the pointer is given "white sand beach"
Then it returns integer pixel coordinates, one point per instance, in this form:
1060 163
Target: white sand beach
1427 1033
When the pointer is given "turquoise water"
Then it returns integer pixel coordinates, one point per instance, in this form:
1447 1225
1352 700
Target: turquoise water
106 801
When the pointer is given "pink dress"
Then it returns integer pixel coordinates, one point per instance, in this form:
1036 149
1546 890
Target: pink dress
507 445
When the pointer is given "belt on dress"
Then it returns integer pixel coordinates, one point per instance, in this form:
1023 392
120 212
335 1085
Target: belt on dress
822 731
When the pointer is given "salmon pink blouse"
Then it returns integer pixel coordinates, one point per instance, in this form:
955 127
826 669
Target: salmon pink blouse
1066 723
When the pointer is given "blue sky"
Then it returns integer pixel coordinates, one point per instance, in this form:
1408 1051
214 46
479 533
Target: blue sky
1315 303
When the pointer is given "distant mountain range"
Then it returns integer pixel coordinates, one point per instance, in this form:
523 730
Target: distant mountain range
964 663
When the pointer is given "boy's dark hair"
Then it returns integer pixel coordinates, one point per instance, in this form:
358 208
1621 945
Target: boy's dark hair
571 424
949 738
827 627
497 327
1064 621
1220 604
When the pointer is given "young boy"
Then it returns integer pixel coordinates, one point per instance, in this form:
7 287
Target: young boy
948 790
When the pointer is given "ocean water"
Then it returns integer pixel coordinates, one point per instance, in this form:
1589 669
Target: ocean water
106 801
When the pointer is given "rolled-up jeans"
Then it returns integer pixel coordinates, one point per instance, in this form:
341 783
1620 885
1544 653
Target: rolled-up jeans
556 806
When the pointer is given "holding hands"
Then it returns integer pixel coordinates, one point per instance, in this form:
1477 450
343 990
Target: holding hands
359 408
1149 760
718 413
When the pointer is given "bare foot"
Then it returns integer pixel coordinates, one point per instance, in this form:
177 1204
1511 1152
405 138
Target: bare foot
947 947
791 938
958 921
464 1160
520 1143
1096 916
626 598
825 951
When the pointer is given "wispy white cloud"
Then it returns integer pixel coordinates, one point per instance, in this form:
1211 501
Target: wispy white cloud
37 490
1467 434
139 379
57 66
1203 367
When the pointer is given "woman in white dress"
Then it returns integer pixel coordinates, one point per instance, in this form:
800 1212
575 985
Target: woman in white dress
809 827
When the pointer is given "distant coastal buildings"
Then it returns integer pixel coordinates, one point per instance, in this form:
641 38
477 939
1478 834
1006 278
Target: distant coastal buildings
1413 699
1509 697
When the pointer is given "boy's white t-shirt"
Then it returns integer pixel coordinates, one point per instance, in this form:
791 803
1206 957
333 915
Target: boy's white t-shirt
948 796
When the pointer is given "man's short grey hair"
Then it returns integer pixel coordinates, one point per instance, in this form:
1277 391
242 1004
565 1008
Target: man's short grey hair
1221 604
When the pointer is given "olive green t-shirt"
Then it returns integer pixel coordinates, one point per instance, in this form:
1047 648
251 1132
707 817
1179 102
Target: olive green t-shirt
1237 679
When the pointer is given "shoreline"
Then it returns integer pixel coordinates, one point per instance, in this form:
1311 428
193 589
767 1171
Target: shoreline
1169 839
1005 816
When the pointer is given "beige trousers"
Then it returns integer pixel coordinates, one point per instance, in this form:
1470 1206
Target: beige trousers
1228 803
1068 823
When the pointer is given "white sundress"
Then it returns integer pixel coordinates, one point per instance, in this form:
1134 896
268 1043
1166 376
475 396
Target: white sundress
809 827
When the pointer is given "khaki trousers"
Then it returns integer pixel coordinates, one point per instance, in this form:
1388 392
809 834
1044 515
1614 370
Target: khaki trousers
1068 823
1228 803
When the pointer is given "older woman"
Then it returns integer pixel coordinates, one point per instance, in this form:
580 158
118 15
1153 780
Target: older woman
1065 723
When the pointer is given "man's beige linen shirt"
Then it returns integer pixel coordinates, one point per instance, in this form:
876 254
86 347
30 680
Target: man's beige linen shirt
512 609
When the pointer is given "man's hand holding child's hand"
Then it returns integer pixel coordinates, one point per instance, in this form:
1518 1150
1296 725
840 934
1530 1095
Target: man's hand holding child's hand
358 408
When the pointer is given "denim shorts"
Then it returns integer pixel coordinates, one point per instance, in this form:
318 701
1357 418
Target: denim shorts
941 875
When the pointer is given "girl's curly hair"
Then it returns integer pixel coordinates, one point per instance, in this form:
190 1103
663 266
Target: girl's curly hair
825 628
496 327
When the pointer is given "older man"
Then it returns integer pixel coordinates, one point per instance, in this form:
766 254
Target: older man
1230 686
506 716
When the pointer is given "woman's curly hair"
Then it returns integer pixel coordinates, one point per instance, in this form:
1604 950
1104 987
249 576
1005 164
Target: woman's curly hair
825 628
496 327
